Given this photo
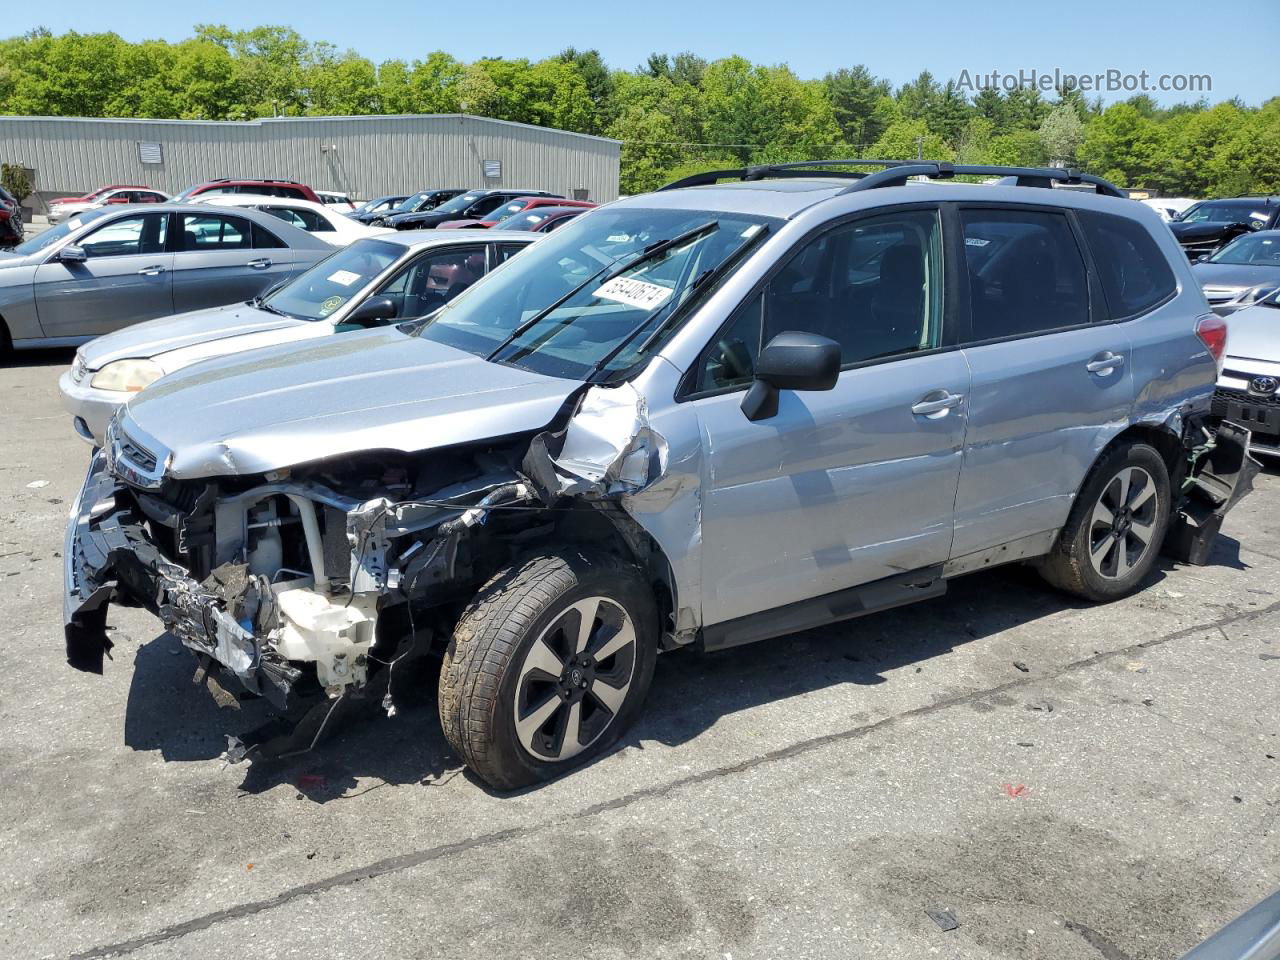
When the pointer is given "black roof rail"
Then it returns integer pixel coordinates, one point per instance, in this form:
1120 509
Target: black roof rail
768 171
898 175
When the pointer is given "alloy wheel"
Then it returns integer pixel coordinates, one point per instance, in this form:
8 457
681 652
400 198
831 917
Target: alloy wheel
1123 523
575 678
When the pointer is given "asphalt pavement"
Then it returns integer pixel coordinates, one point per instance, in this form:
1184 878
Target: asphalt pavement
1048 778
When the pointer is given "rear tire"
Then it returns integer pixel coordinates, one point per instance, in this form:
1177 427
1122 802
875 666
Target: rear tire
548 665
1116 526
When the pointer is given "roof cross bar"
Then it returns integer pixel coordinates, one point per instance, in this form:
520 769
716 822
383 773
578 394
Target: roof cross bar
770 171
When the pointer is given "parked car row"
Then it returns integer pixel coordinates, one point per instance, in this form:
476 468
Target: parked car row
706 416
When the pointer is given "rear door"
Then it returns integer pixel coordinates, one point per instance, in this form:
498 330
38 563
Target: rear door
126 278
1052 382
220 258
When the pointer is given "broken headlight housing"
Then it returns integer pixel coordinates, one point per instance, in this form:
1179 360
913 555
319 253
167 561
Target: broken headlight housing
127 376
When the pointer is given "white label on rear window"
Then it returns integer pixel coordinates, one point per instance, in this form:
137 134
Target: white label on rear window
975 242
634 293
344 277
74 223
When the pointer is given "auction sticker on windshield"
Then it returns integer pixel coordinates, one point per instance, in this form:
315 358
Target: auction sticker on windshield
344 277
634 293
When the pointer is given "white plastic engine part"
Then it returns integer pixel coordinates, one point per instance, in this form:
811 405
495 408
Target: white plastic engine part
332 634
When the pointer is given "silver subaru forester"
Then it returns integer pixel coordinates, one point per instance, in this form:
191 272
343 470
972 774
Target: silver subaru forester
705 416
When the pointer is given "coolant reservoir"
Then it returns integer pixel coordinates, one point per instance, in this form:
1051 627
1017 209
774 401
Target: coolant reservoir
334 635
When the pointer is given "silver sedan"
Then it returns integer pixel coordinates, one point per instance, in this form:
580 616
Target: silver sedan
106 269
373 282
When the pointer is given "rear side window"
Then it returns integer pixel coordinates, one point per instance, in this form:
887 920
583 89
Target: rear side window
1026 274
264 239
210 232
1134 272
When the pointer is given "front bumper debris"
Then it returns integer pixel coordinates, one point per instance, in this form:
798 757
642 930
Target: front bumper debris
107 551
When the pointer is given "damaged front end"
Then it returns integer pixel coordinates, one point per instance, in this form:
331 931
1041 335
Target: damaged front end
302 585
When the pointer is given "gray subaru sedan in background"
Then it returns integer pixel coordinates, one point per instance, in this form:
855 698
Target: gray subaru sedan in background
106 269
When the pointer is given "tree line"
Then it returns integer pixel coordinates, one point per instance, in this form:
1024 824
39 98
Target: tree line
674 114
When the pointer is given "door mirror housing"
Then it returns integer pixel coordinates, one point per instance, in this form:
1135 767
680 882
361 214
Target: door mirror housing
791 361
72 254
373 310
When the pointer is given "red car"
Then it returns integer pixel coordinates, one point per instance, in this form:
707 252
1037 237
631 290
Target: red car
93 195
269 188
542 219
510 209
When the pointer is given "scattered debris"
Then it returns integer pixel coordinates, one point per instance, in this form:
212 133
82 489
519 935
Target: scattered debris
37 484
1025 743
945 919
1021 667
1136 666
1268 656
1014 790
249 866
1148 702
1238 799
1174 595
1043 706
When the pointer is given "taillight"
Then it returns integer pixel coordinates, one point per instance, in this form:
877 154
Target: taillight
1212 331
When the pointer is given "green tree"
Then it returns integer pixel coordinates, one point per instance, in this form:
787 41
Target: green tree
1122 145
854 94
909 139
1062 133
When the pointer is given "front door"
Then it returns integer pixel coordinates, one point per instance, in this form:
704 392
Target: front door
126 278
851 485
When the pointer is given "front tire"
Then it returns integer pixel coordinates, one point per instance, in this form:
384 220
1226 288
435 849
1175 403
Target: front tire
548 665
1116 526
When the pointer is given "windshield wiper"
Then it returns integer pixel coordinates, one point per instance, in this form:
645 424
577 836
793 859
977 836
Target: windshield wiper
649 253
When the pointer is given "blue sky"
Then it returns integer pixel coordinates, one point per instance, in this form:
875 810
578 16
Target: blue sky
895 39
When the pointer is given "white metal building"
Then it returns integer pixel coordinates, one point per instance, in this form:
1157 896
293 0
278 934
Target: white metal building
364 156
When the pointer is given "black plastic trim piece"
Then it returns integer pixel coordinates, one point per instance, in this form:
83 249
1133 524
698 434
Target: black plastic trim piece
895 591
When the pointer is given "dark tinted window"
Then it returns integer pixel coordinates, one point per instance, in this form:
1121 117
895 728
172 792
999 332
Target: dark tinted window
484 205
873 286
508 250
1026 274
264 239
1134 273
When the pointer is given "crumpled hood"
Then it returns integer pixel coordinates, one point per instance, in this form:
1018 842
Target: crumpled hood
154 337
1254 333
368 390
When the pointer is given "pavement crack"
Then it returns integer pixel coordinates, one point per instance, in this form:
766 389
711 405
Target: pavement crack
407 861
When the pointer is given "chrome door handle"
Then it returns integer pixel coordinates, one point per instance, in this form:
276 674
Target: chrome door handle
154 271
936 402
1104 362
260 264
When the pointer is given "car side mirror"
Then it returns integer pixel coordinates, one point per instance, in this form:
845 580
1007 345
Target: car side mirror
72 254
373 310
791 361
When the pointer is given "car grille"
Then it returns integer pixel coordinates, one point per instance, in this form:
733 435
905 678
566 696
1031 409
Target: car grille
137 454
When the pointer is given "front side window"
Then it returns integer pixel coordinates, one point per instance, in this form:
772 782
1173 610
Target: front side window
128 236
431 281
874 286
326 286
214 232
301 218
1026 273
1135 275
594 298
458 204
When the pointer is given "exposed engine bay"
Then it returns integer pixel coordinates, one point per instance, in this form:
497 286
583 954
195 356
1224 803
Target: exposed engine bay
303 584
